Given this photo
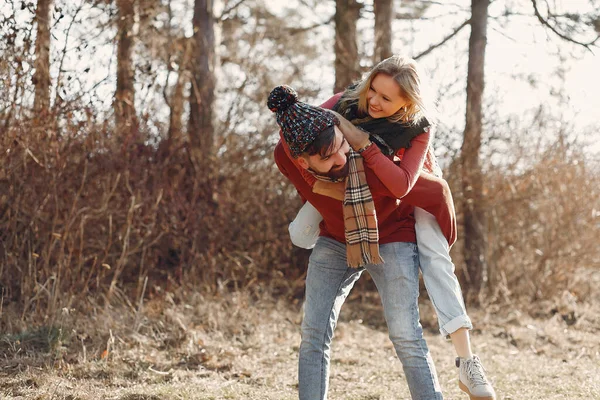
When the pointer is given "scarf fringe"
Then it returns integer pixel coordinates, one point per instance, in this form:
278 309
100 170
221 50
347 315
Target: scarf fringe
362 259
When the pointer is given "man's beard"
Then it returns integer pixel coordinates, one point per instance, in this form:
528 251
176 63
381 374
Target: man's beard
341 172
335 173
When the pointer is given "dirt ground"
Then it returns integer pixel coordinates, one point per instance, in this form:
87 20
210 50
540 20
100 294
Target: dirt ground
245 346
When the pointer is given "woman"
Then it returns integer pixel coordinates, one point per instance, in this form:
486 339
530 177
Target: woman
389 104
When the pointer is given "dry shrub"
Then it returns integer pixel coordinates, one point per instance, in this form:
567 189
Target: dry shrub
253 207
82 215
543 226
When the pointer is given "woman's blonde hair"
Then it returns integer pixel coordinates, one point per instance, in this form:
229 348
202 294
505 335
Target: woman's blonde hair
406 73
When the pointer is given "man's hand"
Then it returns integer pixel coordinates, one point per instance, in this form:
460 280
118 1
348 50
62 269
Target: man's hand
356 137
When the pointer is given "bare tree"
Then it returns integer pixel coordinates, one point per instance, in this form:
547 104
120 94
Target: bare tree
384 11
347 67
41 76
176 102
474 207
201 124
180 52
124 104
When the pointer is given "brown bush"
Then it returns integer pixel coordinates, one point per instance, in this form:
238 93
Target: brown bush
82 216
79 215
543 228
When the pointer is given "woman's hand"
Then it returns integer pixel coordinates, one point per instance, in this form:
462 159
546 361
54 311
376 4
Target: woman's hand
335 190
356 137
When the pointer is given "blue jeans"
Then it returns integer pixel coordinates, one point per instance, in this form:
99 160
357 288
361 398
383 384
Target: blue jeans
438 274
434 254
328 283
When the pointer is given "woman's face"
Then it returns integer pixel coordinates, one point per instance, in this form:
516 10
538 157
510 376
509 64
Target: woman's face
384 98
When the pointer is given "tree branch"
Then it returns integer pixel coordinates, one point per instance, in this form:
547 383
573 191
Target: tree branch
294 31
441 3
57 98
546 23
230 9
450 36
412 17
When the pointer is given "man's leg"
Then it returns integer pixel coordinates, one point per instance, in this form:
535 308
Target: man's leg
328 283
397 281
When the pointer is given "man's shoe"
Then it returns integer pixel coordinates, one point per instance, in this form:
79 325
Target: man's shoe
472 380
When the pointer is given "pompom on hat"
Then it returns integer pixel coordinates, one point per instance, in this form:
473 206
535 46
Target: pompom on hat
300 123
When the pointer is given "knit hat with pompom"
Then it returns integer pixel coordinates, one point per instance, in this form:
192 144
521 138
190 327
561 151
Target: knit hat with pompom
300 123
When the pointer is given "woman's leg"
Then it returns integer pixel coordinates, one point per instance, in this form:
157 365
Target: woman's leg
445 294
462 343
397 281
434 196
439 278
304 229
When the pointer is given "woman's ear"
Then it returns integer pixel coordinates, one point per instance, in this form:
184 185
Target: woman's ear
302 162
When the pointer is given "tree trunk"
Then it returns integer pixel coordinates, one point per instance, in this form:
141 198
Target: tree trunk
41 76
474 206
201 124
384 11
124 105
347 66
176 102
176 109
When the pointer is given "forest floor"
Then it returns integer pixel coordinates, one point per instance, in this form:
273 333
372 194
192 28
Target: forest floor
243 346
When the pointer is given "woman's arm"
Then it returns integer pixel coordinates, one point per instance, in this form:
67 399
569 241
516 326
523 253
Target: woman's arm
399 179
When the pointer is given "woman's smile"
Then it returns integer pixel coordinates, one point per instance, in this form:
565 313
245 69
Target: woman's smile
374 109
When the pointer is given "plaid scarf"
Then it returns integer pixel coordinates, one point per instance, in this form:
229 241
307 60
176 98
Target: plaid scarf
360 220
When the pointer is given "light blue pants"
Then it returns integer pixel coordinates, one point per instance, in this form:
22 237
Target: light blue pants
434 254
438 274
328 283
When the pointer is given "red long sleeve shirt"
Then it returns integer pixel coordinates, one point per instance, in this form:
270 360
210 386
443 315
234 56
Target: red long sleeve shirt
429 192
388 182
396 222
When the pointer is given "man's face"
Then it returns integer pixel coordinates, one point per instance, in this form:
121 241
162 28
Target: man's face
333 163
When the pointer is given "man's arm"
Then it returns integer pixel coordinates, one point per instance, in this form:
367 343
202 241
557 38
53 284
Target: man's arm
289 170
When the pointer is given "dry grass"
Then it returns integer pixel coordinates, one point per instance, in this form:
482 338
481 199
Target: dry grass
245 346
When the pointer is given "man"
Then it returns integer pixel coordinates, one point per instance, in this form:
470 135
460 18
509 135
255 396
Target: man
370 229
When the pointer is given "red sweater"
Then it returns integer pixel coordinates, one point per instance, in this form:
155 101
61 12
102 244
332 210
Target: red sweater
388 182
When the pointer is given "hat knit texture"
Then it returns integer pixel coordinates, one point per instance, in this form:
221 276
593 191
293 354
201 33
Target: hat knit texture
300 123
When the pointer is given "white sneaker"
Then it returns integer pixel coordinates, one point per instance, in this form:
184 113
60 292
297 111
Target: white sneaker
472 379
